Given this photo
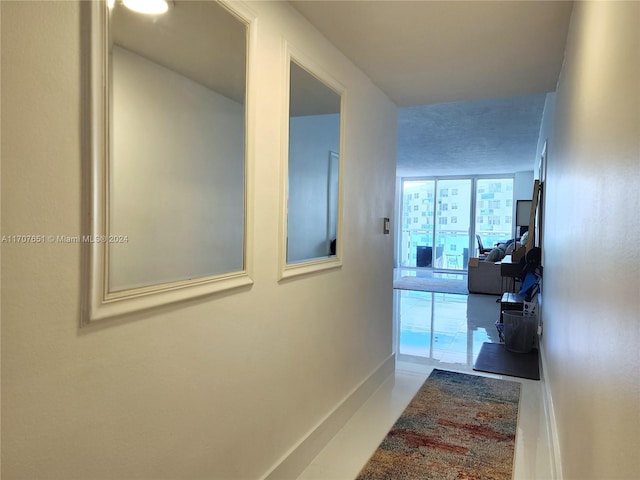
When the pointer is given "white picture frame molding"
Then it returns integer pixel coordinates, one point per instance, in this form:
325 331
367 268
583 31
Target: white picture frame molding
98 302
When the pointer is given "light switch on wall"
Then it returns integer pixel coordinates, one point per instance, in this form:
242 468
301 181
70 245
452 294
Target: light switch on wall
385 226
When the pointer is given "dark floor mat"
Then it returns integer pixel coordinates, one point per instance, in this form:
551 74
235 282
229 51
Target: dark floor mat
495 358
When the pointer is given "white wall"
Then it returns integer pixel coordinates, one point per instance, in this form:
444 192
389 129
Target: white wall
546 129
311 138
522 186
591 293
178 177
220 387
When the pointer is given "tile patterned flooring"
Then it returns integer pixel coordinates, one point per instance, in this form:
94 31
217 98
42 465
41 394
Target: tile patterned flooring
434 330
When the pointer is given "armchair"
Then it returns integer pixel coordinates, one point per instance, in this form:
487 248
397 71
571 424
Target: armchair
481 248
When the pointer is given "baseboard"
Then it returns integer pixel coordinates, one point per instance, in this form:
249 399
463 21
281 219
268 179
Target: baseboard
292 464
549 413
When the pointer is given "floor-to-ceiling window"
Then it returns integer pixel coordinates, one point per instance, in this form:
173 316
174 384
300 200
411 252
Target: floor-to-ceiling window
453 223
494 210
441 218
418 202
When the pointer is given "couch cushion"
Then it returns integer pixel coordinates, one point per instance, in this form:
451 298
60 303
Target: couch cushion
495 255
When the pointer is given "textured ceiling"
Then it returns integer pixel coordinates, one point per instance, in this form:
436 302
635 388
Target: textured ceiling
478 137
470 76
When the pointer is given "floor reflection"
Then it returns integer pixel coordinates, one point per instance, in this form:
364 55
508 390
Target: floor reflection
443 328
433 330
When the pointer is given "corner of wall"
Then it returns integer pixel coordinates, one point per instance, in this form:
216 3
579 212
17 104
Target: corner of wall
298 458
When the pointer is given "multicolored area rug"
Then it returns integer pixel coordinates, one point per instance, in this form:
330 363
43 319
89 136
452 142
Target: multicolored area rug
458 426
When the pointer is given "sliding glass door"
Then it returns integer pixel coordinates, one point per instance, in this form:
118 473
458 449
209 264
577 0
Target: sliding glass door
437 229
435 211
418 200
453 223
494 211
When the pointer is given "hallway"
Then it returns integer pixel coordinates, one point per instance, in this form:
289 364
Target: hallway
441 331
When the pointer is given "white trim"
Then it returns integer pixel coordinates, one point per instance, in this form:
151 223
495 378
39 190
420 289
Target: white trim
289 270
99 303
293 463
553 441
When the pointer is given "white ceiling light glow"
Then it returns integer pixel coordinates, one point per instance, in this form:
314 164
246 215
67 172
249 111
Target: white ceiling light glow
150 7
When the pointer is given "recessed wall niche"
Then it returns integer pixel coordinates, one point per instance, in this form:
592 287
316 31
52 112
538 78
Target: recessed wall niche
169 155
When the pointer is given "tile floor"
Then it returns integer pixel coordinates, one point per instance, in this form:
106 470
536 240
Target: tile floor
433 330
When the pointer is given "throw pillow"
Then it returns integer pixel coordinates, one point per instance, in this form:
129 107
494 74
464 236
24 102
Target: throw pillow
512 246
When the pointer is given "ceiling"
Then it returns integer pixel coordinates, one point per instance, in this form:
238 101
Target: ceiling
188 40
435 56
308 95
469 76
476 137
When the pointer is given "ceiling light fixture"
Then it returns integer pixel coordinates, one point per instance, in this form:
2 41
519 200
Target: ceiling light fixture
150 7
